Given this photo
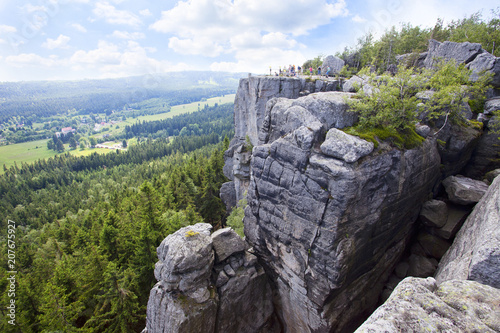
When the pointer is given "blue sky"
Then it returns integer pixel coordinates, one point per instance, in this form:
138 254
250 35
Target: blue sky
78 39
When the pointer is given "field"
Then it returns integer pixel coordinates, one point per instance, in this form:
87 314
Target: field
29 152
32 151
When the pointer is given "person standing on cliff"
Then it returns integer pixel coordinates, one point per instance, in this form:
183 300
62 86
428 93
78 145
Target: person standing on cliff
328 71
319 71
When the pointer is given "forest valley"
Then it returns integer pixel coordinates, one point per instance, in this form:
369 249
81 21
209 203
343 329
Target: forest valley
88 227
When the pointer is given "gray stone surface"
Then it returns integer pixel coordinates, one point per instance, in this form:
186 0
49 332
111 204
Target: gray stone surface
330 232
459 52
196 294
433 246
354 84
423 130
250 107
334 63
457 143
486 155
226 242
486 62
419 305
456 217
475 253
420 266
345 146
434 213
491 105
464 191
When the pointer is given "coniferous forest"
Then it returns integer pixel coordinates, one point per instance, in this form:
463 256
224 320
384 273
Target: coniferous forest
87 228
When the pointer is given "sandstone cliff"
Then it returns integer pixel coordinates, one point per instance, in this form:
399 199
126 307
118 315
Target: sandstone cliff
327 216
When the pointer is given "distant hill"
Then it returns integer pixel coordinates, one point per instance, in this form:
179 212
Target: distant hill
47 98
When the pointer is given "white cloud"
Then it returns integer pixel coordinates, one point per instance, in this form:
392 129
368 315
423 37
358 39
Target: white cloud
31 59
110 14
195 46
128 35
106 53
60 43
79 27
358 19
258 60
145 12
233 25
30 8
7 29
111 60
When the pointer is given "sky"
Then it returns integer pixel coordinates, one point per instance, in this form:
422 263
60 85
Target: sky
89 39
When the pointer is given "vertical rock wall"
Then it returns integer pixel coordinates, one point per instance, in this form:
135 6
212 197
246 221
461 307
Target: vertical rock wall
329 227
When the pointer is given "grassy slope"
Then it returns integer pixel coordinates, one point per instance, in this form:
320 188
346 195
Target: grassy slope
28 152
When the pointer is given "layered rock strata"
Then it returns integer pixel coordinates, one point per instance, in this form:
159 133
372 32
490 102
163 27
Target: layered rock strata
249 114
330 226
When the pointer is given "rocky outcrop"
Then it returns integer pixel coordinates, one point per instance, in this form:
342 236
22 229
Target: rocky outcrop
334 63
456 145
486 62
209 283
486 155
420 305
329 229
460 52
475 253
249 114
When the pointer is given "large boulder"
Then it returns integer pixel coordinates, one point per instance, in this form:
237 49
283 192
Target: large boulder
420 305
464 191
344 146
459 52
226 242
434 213
486 62
329 232
475 253
334 63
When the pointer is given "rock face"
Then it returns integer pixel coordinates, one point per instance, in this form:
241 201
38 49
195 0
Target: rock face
329 231
486 156
334 63
249 114
475 253
209 283
420 305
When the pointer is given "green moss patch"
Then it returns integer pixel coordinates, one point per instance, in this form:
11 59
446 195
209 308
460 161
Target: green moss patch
406 139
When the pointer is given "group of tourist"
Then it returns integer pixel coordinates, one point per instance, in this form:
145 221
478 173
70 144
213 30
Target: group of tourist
291 70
